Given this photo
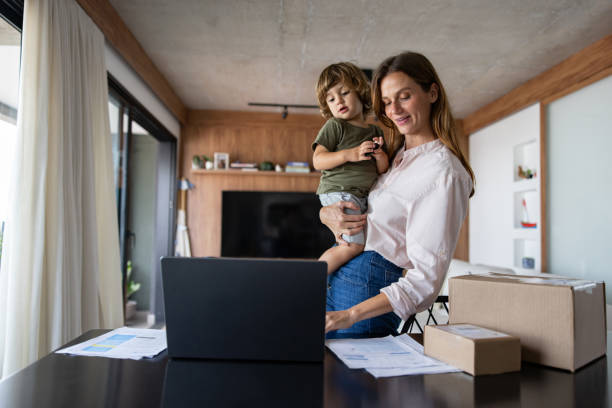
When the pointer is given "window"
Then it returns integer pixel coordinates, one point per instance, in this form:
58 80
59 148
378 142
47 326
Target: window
10 54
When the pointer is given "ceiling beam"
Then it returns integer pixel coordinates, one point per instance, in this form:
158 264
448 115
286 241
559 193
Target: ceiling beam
121 38
592 63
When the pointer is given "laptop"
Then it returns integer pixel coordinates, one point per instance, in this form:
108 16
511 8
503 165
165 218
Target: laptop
245 309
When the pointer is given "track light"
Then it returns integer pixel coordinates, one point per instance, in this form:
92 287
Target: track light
285 107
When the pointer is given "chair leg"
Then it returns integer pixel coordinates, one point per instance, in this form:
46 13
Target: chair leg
411 321
418 325
431 316
408 324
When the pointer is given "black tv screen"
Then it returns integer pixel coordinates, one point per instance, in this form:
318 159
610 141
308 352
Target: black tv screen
272 225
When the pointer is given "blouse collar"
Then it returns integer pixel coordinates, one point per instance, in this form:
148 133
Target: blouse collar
413 151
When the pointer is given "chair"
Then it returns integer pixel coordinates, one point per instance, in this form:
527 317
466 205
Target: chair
411 321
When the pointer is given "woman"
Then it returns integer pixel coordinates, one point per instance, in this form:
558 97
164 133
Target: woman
415 211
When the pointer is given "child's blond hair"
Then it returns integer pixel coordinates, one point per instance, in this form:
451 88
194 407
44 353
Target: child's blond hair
348 74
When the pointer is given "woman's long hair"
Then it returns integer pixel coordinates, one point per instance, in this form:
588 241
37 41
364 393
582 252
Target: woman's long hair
418 67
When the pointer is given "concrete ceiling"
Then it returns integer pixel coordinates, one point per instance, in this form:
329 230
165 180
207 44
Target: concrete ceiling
223 54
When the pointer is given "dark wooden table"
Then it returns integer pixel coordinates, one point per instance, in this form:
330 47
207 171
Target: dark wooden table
59 380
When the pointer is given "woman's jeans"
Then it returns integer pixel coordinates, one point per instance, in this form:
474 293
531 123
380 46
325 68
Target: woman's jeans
359 279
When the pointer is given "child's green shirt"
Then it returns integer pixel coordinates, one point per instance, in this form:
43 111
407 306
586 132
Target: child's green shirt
352 177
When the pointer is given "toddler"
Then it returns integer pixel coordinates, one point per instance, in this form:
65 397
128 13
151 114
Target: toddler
348 151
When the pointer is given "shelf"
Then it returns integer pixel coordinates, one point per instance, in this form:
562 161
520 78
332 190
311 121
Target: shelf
526 205
526 233
525 184
529 233
526 155
526 248
532 201
253 173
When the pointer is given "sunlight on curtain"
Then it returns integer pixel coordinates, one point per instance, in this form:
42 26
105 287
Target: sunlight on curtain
60 273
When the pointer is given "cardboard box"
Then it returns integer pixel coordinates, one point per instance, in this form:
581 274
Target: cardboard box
561 322
475 350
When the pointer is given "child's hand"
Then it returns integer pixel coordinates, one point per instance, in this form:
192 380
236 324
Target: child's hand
361 152
380 140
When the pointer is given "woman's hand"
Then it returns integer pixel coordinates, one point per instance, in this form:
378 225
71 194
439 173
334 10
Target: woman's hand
339 223
341 319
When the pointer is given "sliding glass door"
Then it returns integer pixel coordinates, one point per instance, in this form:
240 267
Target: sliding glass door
145 172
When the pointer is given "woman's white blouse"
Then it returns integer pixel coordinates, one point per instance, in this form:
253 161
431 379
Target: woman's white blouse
415 212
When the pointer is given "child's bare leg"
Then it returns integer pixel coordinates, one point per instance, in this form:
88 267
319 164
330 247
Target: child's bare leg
339 255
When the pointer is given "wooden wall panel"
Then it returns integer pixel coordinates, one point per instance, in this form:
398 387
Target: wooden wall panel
248 137
118 34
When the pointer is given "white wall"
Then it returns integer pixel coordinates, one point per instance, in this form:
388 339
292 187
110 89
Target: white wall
128 78
579 188
492 209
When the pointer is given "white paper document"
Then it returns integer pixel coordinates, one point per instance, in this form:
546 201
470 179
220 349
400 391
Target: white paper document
124 343
387 356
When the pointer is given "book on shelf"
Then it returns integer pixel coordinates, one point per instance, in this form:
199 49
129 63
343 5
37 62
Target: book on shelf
249 169
239 165
297 169
297 164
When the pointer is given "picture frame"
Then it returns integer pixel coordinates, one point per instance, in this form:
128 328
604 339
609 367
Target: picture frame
221 161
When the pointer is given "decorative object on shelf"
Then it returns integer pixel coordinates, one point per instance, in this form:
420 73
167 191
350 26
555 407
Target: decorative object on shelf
197 163
244 166
526 223
221 161
528 262
526 173
201 162
208 163
266 166
278 168
297 167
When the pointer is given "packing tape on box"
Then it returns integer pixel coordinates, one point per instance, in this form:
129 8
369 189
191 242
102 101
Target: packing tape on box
577 284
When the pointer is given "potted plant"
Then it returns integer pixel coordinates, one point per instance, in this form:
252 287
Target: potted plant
132 287
208 163
197 163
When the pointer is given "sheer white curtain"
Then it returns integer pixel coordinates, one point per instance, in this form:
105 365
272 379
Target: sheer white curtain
60 272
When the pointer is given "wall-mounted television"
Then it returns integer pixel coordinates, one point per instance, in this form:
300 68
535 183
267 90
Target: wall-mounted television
272 225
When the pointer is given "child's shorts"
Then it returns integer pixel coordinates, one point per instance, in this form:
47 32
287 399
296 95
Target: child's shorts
362 203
